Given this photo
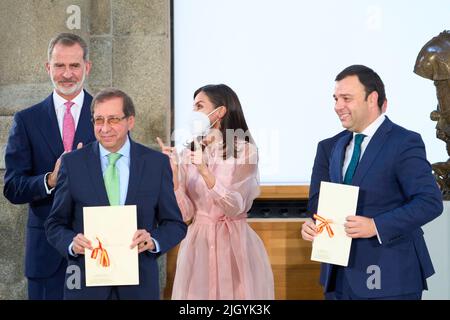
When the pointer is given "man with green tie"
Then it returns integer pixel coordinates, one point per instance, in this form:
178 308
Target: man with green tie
115 170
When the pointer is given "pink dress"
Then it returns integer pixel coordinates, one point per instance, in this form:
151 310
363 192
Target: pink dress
221 256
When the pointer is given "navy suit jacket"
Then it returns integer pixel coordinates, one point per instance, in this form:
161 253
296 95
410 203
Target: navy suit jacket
320 170
397 190
80 184
33 147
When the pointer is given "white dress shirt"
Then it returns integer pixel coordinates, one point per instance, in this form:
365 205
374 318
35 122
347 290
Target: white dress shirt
369 132
60 108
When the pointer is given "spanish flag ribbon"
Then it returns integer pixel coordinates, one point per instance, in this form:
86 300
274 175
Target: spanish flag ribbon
104 258
325 223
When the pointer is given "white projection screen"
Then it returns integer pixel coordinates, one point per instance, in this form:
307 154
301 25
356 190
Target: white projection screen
281 58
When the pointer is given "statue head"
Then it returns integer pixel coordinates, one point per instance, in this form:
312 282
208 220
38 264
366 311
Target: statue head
433 61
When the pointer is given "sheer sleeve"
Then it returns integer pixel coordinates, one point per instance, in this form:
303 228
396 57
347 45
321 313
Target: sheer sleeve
185 204
238 197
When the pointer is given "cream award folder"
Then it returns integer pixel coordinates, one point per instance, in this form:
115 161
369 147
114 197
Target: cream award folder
336 202
110 230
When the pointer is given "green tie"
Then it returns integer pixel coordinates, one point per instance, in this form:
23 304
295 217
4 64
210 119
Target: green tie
355 159
111 178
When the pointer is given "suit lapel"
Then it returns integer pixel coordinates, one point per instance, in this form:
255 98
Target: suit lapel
136 168
51 131
337 158
372 150
96 175
85 129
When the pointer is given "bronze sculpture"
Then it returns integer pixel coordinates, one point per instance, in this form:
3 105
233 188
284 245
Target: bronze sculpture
433 62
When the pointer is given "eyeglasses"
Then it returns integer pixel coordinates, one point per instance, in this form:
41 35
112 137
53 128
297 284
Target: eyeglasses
100 121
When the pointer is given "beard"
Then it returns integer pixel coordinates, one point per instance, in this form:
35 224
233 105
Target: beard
71 90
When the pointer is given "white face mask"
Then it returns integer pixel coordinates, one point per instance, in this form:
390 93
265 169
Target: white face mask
200 124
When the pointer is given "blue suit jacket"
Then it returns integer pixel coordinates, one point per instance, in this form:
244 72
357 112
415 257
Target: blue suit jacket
33 147
320 170
150 188
397 190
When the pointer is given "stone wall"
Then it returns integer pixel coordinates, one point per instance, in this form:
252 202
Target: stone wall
130 49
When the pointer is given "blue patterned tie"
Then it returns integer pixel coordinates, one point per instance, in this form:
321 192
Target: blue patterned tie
355 159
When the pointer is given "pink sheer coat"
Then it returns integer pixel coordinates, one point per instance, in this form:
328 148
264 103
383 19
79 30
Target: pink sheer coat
221 256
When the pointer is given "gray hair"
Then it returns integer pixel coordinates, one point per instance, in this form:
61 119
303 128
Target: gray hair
68 39
110 93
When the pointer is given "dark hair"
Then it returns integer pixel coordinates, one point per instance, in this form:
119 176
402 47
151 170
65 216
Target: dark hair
110 93
68 39
369 79
234 120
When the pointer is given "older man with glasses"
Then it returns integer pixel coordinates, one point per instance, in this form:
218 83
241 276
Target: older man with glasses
115 170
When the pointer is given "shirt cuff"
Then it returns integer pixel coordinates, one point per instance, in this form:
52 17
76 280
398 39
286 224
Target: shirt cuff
71 251
49 191
378 235
157 248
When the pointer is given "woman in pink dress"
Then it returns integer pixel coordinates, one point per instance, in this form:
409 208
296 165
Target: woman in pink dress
221 256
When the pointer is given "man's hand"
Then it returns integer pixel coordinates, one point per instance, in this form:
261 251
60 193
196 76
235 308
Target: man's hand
143 240
52 177
309 230
80 242
360 227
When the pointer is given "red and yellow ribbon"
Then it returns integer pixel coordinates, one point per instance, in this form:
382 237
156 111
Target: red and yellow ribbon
104 258
325 223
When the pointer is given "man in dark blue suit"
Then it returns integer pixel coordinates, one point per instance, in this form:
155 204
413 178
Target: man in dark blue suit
144 180
38 137
398 195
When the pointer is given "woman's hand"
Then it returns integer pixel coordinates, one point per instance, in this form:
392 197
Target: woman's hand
171 152
199 160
